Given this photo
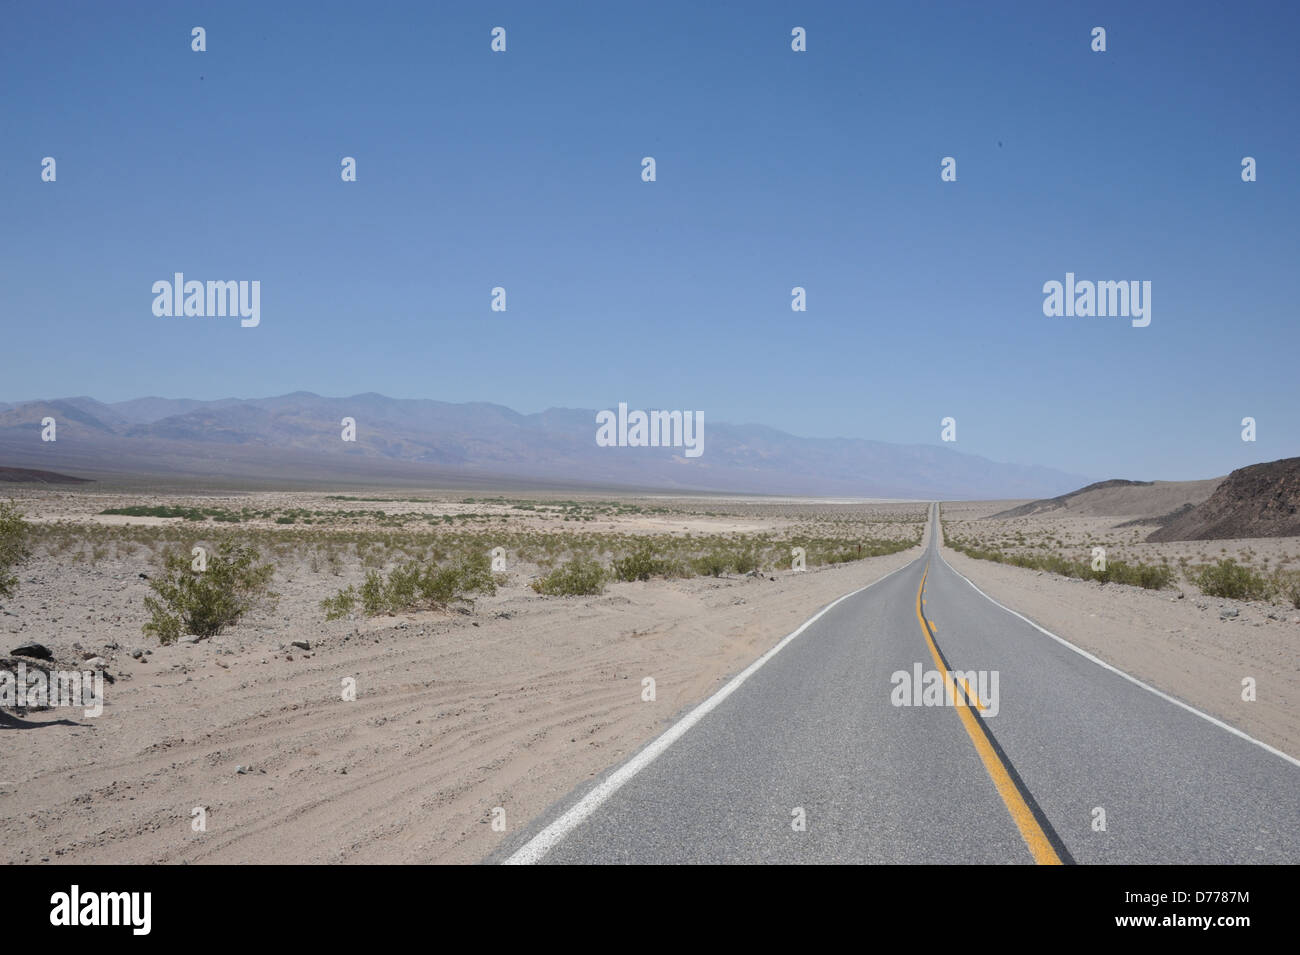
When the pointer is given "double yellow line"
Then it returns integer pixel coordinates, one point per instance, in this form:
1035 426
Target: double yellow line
1040 846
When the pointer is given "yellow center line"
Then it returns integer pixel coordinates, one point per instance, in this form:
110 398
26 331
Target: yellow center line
1039 845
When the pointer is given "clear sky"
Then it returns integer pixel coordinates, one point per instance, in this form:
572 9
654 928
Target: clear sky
774 169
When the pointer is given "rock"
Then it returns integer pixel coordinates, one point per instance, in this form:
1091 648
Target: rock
300 644
144 576
190 638
1227 613
137 654
89 655
36 651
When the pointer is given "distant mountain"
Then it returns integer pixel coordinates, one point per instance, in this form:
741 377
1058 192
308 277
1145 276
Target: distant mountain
297 437
1262 500
149 410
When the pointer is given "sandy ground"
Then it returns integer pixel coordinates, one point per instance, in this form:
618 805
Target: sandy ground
512 705
591 513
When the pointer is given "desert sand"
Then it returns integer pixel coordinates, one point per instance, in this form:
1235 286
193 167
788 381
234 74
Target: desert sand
511 703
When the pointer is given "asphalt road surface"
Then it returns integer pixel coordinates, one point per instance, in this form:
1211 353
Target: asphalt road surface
816 756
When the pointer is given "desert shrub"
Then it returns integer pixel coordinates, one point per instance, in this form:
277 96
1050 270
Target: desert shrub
1229 579
1154 576
641 564
341 604
206 602
414 585
1287 585
14 533
577 577
1150 576
712 564
470 574
402 588
744 561
374 598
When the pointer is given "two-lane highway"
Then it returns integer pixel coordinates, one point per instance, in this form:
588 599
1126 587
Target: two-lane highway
852 742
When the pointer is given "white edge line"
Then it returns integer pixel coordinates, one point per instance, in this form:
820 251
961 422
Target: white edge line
1132 679
546 840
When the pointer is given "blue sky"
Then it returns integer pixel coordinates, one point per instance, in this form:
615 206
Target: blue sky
775 169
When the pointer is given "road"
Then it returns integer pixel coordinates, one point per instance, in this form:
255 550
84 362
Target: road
815 758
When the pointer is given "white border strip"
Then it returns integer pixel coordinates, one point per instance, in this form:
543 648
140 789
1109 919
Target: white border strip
546 840
1132 679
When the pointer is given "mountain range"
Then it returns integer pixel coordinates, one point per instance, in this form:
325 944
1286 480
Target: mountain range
297 438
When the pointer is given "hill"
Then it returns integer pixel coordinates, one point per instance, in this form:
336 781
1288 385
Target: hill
1262 500
1145 501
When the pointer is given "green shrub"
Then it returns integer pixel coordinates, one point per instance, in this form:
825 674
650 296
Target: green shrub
14 532
402 587
341 604
744 561
1154 576
1287 585
1150 576
641 564
471 574
206 602
712 564
413 585
576 577
1229 579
